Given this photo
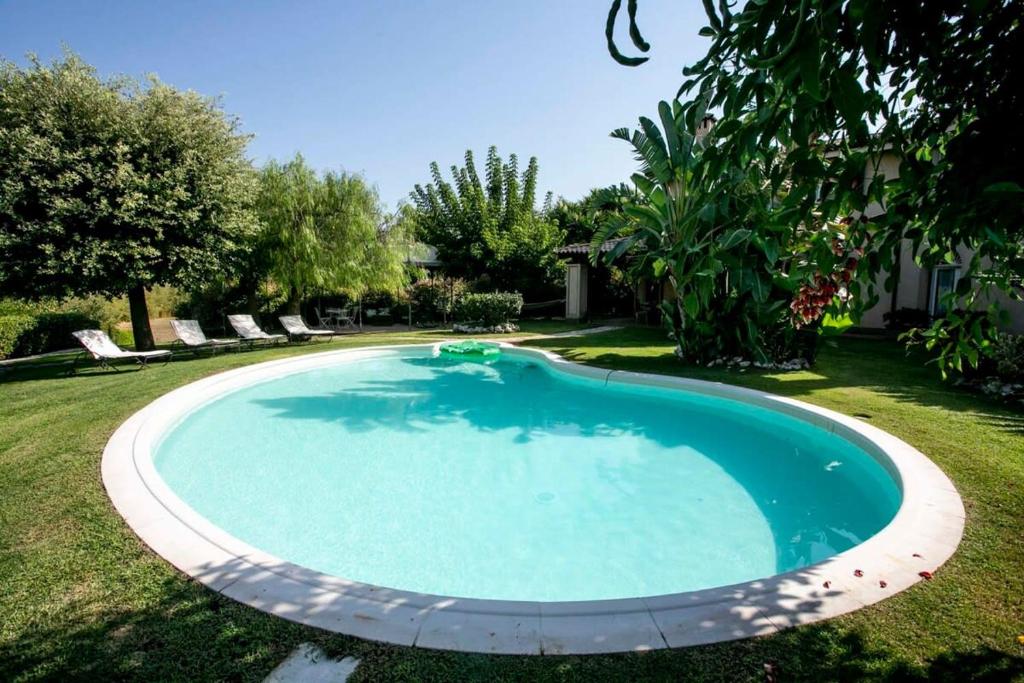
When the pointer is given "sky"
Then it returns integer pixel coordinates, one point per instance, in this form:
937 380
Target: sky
384 87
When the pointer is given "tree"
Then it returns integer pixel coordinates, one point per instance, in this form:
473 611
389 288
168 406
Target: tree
732 278
108 187
490 228
836 83
324 233
578 220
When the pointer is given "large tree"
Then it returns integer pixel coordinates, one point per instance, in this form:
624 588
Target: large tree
324 233
111 187
836 84
490 228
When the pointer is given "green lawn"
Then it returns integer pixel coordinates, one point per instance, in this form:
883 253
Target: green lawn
82 599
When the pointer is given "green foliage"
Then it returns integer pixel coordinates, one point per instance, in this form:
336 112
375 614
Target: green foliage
324 233
578 220
25 334
489 228
732 275
212 304
85 312
494 308
837 84
107 186
960 342
12 327
432 300
610 289
1006 357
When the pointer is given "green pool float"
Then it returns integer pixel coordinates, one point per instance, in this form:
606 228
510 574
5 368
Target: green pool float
471 349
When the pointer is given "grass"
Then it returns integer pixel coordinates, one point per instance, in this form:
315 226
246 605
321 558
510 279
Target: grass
82 599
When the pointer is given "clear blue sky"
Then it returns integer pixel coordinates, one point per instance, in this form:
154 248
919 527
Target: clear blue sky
384 87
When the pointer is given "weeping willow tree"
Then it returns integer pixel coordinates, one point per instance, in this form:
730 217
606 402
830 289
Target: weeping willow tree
324 233
489 228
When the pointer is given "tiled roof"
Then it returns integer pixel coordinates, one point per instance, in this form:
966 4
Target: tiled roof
584 247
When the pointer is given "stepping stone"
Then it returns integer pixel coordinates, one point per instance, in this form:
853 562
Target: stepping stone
309 664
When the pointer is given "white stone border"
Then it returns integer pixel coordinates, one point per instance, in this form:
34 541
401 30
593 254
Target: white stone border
924 533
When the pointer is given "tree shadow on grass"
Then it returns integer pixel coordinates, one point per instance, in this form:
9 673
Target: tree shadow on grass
811 654
188 632
185 633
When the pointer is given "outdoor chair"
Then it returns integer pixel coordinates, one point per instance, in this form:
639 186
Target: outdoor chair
191 335
250 333
103 350
336 319
297 329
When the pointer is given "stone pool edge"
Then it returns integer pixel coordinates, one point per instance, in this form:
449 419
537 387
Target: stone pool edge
924 533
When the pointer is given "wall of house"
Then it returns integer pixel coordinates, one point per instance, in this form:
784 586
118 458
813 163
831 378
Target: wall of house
912 291
914 288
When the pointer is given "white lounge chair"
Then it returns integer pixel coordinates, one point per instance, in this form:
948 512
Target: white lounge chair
249 332
297 329
103 350
192 336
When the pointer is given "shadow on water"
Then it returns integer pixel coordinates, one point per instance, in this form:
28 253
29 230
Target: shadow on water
882 366
812 512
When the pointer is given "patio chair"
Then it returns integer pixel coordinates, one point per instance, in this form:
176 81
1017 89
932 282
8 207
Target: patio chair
336 319
103 350
297 329
191 335
250 333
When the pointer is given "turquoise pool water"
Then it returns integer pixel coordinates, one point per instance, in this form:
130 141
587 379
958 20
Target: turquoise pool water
511 481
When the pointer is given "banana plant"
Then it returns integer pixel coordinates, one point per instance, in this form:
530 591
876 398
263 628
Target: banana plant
696 225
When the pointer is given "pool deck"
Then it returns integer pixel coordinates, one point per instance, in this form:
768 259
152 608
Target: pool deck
924 533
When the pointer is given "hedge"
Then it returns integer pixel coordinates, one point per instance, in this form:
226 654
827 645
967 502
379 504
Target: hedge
488 309
24 335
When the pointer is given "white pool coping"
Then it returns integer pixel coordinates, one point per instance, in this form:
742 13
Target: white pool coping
924 533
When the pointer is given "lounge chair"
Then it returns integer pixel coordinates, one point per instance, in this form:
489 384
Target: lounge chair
296 328
192 336
103 350
250 333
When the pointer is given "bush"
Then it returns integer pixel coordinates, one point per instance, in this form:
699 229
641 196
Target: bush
907 318
432 299
25 334
487 310
381 308
1005 358
12 327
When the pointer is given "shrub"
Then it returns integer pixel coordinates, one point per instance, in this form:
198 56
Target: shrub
123 337
1005 358
12 327
906 318
496 308
211 304
26 334
432 299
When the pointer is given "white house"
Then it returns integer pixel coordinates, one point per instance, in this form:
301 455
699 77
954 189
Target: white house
916 288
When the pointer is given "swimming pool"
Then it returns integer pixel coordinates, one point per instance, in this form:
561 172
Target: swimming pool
525 487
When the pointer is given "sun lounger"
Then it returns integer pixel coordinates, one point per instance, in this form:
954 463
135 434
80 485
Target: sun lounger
297 329
250 333
192 336
103 350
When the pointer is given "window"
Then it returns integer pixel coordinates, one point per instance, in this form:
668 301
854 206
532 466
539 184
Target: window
944 279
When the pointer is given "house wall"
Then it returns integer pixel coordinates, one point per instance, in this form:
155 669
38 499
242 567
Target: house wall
914 287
